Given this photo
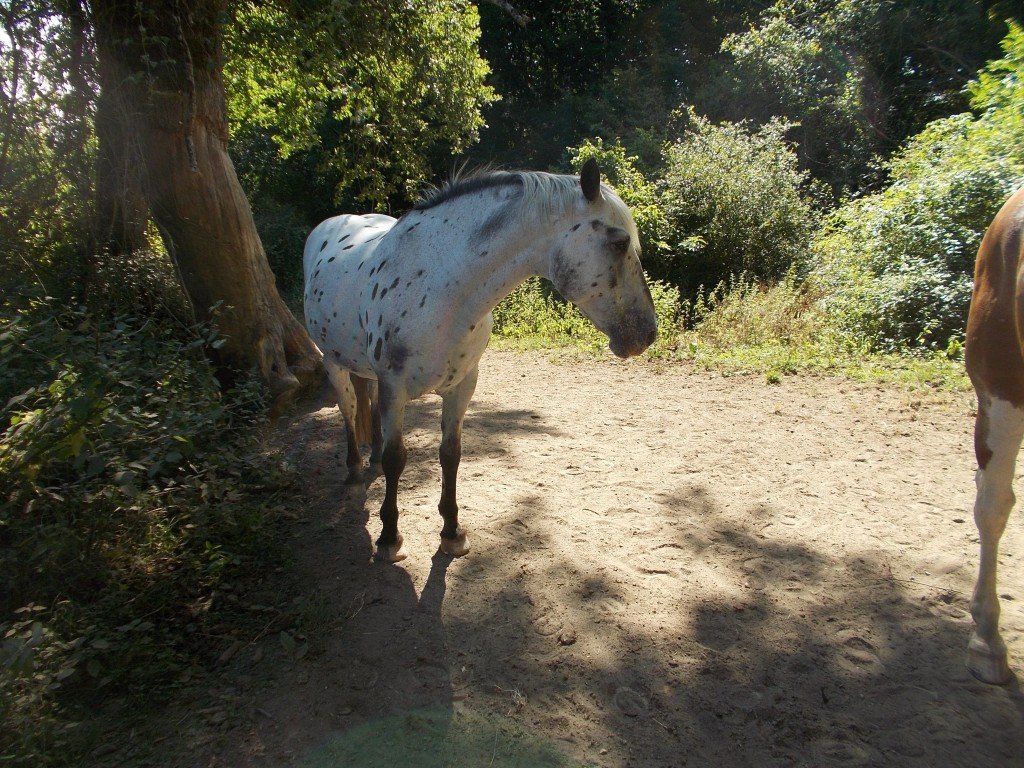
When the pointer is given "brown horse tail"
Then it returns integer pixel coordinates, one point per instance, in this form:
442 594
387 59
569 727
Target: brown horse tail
364 415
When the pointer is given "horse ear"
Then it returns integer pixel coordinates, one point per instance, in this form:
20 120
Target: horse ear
590 180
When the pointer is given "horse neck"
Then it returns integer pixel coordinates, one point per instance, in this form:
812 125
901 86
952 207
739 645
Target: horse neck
516 252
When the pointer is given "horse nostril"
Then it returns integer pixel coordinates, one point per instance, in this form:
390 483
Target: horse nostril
652 336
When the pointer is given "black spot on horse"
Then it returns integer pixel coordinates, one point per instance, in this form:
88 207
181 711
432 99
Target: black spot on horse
576 227
374 294
346 237
337 355
404 312
381 265
360 266
372 271
420 273
398 353
394 284
351 245
482 254
331 259
323 245
594 223
423 301
380 320
376 349
613 282
387 335
316 273
384 293
472 327
496 222
335 314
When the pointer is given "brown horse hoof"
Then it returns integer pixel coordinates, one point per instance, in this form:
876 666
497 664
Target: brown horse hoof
456 547
987 664
389 553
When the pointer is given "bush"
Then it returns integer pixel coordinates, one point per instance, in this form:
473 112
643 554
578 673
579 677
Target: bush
132 487
735 202
896 267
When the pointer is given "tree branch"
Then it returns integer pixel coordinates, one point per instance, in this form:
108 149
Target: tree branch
520 18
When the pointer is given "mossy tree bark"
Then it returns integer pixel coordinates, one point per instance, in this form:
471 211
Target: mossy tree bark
160 72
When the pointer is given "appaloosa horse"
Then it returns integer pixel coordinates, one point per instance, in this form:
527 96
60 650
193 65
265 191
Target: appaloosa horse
407 304
995 363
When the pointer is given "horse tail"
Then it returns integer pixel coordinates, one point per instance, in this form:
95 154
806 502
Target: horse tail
364 411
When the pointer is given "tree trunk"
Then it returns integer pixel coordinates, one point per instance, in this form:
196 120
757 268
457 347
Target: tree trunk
160 67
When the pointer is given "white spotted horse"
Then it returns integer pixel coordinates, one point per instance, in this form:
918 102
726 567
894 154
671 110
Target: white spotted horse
995 363
403 307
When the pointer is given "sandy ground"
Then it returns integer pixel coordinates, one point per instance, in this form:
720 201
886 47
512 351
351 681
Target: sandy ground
669 567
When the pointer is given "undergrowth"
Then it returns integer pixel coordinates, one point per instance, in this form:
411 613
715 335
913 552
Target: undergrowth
132 488
740 326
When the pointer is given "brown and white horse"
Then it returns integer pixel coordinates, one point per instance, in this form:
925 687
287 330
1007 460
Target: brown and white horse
995 363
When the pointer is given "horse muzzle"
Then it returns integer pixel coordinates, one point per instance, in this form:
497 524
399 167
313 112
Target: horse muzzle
634 342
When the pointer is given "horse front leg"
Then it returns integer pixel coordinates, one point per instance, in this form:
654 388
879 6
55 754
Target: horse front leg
392 415
997 438
454 403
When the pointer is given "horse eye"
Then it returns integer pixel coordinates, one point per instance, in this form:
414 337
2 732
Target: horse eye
618 240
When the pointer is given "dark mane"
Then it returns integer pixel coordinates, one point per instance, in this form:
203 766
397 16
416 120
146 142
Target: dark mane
466 185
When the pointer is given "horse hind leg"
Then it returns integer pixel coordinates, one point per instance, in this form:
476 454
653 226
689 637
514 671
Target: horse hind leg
342 383
454 403
393 457
997 438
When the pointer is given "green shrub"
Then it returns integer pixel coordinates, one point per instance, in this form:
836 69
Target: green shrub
735 202
896 267
132 487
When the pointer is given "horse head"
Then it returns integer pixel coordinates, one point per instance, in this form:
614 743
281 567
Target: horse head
596 266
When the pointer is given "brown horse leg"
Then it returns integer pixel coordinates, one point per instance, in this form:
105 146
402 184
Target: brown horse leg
997 438
392 408
343 387
453 408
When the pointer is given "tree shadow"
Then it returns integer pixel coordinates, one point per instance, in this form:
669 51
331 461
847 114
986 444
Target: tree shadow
775 669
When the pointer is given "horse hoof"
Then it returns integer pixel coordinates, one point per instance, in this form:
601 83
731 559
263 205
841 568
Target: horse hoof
389 553
456 547
986 664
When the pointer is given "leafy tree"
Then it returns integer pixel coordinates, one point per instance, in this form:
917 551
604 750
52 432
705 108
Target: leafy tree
896 266
855 77
371 93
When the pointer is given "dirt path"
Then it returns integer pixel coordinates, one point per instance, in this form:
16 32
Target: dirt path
667 568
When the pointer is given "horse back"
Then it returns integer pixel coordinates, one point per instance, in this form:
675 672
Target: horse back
995 325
